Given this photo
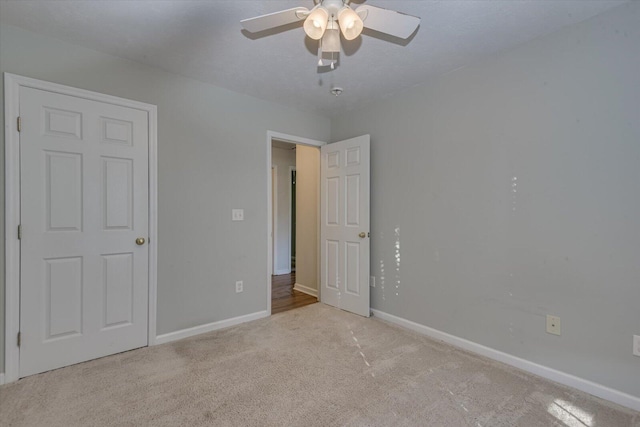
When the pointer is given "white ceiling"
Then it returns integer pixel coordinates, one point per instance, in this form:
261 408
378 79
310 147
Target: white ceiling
203 40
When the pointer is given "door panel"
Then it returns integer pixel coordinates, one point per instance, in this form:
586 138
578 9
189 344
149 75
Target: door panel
117 183
63 297
352 267
352 200
117 270
344 264
84 201
333 201
63 191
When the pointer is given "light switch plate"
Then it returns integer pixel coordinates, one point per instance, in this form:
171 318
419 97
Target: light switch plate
636 345
237 214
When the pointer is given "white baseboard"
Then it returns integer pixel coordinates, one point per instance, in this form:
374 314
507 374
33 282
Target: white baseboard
197 330
587 386
1 378
306 290
279 272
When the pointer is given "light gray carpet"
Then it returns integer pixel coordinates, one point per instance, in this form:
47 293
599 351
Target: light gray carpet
314 366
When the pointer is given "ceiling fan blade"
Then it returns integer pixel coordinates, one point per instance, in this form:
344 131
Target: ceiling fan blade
388 21
276 19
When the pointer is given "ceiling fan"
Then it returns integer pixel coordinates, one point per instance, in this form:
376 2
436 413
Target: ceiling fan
328 18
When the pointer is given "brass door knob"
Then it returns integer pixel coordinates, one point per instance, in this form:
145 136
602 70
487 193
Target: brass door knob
362 235
140 241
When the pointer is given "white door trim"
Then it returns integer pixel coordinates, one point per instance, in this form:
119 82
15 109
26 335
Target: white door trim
12 85
271 135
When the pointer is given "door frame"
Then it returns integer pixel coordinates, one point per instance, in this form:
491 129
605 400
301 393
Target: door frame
271 135
12 85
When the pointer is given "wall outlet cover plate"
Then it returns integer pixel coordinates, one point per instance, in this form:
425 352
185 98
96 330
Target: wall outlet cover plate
553 324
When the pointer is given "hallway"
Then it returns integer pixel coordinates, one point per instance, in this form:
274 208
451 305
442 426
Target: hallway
284 297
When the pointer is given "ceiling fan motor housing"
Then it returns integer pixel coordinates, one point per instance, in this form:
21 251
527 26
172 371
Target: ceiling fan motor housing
333 6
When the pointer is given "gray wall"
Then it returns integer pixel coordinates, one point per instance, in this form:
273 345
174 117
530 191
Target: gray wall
212 158
512 188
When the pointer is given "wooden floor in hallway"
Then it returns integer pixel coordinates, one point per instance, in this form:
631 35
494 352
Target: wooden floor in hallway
284 297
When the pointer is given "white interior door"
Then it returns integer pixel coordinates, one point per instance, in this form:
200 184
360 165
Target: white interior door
344 225
84 202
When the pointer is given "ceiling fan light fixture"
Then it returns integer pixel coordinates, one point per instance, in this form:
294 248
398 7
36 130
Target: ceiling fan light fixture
351 24
331 38
329 18
316 22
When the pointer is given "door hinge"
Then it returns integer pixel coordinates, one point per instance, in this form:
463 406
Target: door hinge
19 124
19 338
20 232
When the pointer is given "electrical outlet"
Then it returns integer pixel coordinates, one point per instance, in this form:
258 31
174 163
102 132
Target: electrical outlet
636 345
239 286
373 281
553 324
237 214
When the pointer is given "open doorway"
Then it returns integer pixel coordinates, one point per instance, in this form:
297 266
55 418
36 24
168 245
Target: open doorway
294 222
292 204
337 274
289 290
283 159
